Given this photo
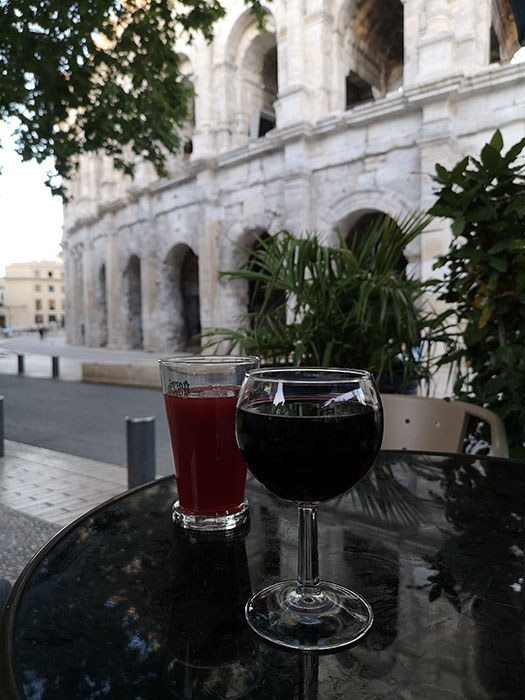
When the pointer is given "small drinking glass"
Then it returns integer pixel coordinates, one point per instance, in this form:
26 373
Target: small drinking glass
200 394
309 435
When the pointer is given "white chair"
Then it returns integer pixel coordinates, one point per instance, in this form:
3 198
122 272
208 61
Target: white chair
434 425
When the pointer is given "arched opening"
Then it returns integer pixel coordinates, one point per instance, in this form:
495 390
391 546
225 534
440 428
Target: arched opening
102 306
189 287
133 302
504 31
373 50
358 230
186 134
257 291
259 83
181 301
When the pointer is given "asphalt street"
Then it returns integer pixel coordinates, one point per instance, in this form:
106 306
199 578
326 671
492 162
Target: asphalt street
87 420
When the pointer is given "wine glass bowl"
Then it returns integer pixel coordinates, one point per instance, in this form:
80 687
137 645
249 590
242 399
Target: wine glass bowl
309 435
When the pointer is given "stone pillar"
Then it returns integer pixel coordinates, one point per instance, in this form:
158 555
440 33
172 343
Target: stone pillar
292 105
69 297
225 76
91 329
436 145
297 180
319 37
210 290
113 290
445 38
205 117
149 287
472 21
77 297
436 43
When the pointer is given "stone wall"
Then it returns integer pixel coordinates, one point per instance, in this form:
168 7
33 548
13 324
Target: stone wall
364 97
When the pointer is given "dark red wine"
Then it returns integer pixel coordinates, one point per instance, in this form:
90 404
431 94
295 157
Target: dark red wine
306 451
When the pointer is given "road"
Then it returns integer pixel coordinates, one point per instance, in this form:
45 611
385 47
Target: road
87 420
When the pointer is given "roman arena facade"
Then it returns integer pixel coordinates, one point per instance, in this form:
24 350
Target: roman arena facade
339 109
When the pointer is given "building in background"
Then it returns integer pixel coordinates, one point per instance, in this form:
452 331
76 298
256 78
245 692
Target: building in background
33 295
338 111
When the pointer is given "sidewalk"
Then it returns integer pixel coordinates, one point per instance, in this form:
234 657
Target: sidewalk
41 491
38 353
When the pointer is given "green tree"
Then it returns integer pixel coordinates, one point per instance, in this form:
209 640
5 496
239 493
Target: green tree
82 76
484 279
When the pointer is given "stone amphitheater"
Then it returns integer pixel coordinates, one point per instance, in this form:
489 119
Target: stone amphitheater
338 111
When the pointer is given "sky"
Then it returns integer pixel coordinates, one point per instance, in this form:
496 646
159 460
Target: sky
30 218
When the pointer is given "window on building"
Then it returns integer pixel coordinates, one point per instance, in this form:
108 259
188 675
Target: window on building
38 304
52 318
51 304
39 318
38 287
37 273
50 273
51 287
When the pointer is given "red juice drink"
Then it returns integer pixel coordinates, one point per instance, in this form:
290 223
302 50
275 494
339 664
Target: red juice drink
210 469
200 394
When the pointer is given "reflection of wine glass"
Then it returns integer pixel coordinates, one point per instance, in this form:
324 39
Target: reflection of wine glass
308 435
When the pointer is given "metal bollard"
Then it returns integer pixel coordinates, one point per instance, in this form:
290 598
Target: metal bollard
1 426
54 366
20 364
140 444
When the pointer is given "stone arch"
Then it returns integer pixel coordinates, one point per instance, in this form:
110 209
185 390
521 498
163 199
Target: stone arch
180 296
346 213
102 305
240 237
371 49
252 57
234 253
132 296
360 222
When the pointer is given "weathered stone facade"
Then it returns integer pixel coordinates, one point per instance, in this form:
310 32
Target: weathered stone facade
341 108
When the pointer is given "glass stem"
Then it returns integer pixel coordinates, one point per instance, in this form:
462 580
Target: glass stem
308 559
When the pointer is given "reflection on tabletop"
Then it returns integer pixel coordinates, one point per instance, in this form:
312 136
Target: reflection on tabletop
125 606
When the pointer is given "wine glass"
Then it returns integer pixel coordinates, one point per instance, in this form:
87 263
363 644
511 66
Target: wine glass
308 435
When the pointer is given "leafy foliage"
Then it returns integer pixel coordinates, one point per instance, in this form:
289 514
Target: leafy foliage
88 75
348 306
484 277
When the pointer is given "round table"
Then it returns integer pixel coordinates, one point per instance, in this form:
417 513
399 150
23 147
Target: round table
124 605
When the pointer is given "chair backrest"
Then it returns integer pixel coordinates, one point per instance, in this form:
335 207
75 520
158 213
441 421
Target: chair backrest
435 425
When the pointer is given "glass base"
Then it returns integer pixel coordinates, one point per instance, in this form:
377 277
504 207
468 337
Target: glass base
210 523
318 618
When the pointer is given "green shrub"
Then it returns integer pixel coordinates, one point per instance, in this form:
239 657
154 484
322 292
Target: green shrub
484 278
345 306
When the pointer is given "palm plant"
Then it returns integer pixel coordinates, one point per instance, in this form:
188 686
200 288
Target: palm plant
346 306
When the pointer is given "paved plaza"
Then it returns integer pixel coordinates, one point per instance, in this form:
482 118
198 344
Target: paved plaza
42 490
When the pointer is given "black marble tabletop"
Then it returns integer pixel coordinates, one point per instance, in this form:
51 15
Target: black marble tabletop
124 605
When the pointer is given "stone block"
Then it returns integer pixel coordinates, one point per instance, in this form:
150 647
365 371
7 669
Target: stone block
122 374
